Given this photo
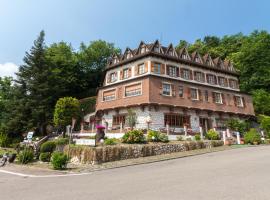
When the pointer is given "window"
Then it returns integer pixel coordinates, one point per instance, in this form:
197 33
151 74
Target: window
129 55
156 49
118 119
176 120
186 74
126 73
133 90
109 95
198 76
233 84
166 89
211 79
222 81
197 59
143 49
115 60
184 56
113 77
141 69
181 91
171 71
239 101
217 97
209 62
206 95
194 94
170 53
157 67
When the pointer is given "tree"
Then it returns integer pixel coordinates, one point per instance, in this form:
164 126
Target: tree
261 101
65 110
265 124
131 118
34 84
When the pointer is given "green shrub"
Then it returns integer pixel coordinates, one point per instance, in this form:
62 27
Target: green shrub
156 136
48 146
197 137
180 138
4 140
212 135
61 141
133 136
59 160
252 136
45 156
26 156
110 141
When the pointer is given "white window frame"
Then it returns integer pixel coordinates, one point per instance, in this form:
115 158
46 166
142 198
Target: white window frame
115 77
125 73
212 79
157 66
124 95
165 83
141 69
241 101
186 74
220 97
196 77
172 71
180 87
197 93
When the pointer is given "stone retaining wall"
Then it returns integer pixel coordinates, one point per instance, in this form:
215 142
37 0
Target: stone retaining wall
93 155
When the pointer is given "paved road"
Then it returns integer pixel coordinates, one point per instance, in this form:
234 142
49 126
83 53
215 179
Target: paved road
233 174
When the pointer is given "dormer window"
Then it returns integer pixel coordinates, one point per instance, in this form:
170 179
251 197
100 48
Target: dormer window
143 50
197 59
129 55
185 56
170 53
115 60
156 49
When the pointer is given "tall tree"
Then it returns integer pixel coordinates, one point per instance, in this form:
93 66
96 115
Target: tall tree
33 78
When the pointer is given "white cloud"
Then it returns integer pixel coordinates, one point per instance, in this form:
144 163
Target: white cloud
8 69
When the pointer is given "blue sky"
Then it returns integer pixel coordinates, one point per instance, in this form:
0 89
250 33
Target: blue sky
123 22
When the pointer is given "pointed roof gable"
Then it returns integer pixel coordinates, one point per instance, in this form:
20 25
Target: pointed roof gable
183 53
228 65
156 47
171 51
128 52
196 57
218 62
115 58
208 60
140 47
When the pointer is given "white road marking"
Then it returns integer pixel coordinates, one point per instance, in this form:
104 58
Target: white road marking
43 176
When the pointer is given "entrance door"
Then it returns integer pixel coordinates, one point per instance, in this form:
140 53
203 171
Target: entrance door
205 124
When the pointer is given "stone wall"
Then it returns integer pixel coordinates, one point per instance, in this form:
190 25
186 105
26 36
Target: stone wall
93 155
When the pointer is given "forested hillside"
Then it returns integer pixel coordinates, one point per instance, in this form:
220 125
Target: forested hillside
57 70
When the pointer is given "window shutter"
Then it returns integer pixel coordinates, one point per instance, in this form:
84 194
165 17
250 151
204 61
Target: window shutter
161 88
191 75
146 66
121 74
108 78
182 72
177 72
207 78
119 93
203 77
215 78
234 99
136 70
173 90
129 72
223 99
167 69
188 93
226 82
213 97
200 95
244 102
152 67
162 70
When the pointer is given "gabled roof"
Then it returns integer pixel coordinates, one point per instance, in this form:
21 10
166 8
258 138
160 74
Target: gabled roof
194 55
183 51
218 62
142 44
127 51
228 65
207 58
171 49
157 44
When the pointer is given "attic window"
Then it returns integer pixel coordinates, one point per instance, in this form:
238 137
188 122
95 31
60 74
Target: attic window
129 55
184 56
197 59
156 49
209 62
170 53
115 60
143 49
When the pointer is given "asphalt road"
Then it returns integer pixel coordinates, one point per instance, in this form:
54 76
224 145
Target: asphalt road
233 174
